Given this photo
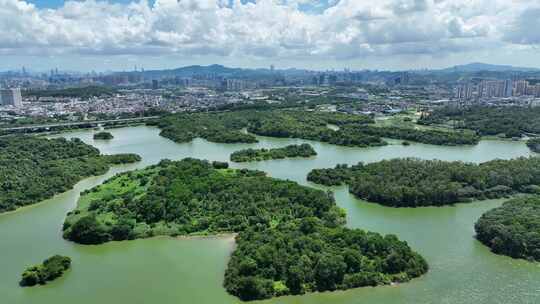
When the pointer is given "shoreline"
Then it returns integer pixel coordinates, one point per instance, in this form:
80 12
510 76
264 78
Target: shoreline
44 201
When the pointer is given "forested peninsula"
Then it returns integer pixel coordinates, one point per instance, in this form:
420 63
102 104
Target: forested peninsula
509 121
432 137
512 229
249 155
413 182
291 239
33 169
353 131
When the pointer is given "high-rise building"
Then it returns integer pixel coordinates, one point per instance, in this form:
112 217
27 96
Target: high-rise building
465 92
481 89
11 97
521 87
536 91
496 88
508 88
235 85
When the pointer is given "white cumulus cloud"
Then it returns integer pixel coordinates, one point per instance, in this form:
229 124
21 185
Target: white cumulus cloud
267 28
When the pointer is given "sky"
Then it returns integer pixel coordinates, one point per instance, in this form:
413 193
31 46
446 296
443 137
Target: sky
120 35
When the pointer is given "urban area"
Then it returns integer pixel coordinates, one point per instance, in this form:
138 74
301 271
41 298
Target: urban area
39 98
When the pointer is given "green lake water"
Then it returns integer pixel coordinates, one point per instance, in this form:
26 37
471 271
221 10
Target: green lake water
167 270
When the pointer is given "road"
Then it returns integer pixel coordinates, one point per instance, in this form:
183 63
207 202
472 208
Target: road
79 123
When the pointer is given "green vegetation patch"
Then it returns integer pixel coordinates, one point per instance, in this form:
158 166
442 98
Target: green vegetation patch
314 126
33 169
215 127
103 136
52 268
291 238
413 182
512 229
432 137
226 127
354 130
405 127
249 155
510 121
306 256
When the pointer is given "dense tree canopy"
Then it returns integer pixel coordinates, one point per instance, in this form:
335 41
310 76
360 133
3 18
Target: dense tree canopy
103 136
248 155
510 121
414 182
226 127
33 169
433 137
290 238
49 270
191 196
354 130
305 256
512 229
314 126
215 127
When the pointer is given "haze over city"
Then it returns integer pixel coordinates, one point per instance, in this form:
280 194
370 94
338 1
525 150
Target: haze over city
387 34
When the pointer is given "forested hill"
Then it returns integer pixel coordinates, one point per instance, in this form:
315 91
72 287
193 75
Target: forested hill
414 182
33 169
354 130
291 238
512 229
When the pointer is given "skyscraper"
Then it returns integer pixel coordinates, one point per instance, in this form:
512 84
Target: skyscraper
464 92
11 97
521 87
508 87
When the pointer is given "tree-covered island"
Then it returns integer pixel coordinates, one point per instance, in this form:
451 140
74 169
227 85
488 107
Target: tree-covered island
512 229
33 169
291 238
414 183
249 155
52 268
103 136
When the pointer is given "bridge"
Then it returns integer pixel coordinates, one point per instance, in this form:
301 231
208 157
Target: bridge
82 124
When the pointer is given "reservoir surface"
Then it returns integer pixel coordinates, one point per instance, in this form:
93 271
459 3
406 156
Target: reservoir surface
168 270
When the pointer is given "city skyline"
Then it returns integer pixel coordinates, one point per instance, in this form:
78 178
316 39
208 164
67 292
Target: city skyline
316 35
462 68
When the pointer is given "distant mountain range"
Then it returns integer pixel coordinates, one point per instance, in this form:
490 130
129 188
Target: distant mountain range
223 71
214 69
192 70
220 70
484 67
